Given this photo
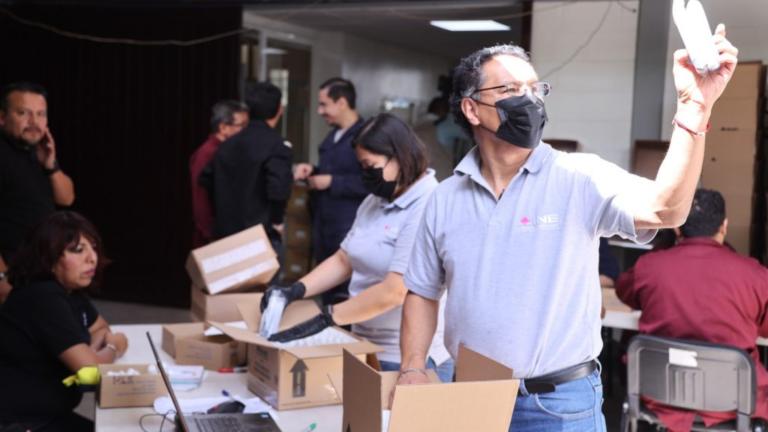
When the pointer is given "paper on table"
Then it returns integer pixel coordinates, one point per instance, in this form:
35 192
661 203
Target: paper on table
213 331
185 378
163 404
329 336
385 420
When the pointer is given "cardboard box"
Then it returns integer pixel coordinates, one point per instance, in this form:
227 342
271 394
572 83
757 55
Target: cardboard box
240 261
298 235
129 390
219 307
297 264
299 377
748 81
482 398
187 344
736 114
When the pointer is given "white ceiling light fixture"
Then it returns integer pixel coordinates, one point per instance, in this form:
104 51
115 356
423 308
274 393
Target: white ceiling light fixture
469 25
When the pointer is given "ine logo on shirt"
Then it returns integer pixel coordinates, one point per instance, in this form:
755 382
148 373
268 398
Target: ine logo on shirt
547 221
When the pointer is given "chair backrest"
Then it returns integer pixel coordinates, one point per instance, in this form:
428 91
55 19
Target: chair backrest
693 375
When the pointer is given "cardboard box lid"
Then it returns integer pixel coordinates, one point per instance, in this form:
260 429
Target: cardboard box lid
484 404
296 312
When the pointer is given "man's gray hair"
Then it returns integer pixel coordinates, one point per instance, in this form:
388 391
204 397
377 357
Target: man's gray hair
224 112
468 76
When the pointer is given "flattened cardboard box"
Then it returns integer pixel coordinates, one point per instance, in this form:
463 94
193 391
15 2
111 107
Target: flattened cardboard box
187 344
129 390
289 378
482 398
237 262
219 307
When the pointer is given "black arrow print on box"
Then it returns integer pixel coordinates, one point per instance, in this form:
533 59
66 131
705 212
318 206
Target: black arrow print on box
299 372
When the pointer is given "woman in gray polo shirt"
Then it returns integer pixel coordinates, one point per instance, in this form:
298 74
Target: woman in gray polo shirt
377 249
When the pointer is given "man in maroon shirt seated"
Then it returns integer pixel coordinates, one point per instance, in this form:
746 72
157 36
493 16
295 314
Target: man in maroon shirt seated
228 117
701 290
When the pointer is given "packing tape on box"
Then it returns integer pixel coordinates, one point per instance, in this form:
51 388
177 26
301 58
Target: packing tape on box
234 256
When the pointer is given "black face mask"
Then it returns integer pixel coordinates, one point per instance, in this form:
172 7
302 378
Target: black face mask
373 180
522 120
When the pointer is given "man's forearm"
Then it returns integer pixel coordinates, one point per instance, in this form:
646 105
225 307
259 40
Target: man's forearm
679 172
63 189
418 327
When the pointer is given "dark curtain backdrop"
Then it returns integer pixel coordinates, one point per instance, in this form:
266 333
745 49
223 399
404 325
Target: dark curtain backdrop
125 120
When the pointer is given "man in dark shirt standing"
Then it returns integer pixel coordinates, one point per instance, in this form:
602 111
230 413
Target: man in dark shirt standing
249 179
31 181
228 117
336 181
700 289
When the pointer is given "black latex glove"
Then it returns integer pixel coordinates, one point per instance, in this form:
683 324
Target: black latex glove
292 292
309 327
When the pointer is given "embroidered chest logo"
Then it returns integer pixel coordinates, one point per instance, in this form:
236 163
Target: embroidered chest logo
547 221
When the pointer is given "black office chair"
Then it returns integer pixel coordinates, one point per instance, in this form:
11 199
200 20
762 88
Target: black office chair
691 375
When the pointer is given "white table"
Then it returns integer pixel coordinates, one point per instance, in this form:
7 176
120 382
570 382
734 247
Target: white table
328 418
620 316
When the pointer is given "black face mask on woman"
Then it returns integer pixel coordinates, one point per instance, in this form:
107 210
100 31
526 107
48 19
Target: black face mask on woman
373 180
522 120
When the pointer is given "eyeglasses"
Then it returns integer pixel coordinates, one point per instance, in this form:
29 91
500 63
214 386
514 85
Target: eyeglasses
540 89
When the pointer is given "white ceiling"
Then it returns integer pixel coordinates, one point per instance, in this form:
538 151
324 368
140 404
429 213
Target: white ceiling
406 24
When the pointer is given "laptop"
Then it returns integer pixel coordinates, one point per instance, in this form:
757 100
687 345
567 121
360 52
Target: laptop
231 422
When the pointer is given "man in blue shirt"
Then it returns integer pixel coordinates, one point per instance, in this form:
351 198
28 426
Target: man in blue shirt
336 183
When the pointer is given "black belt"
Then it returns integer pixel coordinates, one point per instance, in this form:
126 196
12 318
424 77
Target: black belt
547 383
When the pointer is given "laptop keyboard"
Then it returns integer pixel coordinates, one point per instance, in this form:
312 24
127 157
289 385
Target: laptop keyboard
220 424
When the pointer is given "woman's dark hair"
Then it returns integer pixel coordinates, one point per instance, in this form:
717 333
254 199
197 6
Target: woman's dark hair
45 245
389 136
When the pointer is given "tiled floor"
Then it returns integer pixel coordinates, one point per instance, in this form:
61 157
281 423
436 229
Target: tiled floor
131 313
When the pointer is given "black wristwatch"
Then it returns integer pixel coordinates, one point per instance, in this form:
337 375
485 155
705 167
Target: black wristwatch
56 168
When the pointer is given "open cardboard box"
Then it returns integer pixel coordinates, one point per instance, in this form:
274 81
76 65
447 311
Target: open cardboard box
129 390
297 377
237 262
187 344
482 398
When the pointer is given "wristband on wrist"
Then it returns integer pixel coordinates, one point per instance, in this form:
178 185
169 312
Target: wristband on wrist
677 123
56 168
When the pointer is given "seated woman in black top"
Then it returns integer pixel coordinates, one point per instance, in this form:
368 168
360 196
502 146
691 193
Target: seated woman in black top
48 327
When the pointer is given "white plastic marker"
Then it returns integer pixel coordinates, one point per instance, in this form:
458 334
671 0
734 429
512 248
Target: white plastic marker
691 22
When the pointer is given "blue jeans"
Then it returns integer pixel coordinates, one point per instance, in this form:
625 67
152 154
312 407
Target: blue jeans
575 406
444 371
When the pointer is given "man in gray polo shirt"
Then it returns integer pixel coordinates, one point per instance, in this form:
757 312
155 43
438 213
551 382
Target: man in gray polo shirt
513 235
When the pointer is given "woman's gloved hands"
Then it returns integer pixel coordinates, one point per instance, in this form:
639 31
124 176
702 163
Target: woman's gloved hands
309 327
291 292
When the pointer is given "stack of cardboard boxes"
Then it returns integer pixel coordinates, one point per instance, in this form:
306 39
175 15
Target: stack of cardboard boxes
298 235
229 271
731 162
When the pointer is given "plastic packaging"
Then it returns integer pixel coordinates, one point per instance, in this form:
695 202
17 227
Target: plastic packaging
270 318
691 22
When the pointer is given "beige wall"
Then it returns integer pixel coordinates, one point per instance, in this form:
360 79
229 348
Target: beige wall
591 99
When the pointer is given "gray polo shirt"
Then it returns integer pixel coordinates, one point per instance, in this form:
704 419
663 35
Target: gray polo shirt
380 241
521 271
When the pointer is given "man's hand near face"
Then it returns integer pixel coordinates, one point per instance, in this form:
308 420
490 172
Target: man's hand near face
46 151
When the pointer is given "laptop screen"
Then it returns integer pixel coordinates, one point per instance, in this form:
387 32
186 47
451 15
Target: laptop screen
179 415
